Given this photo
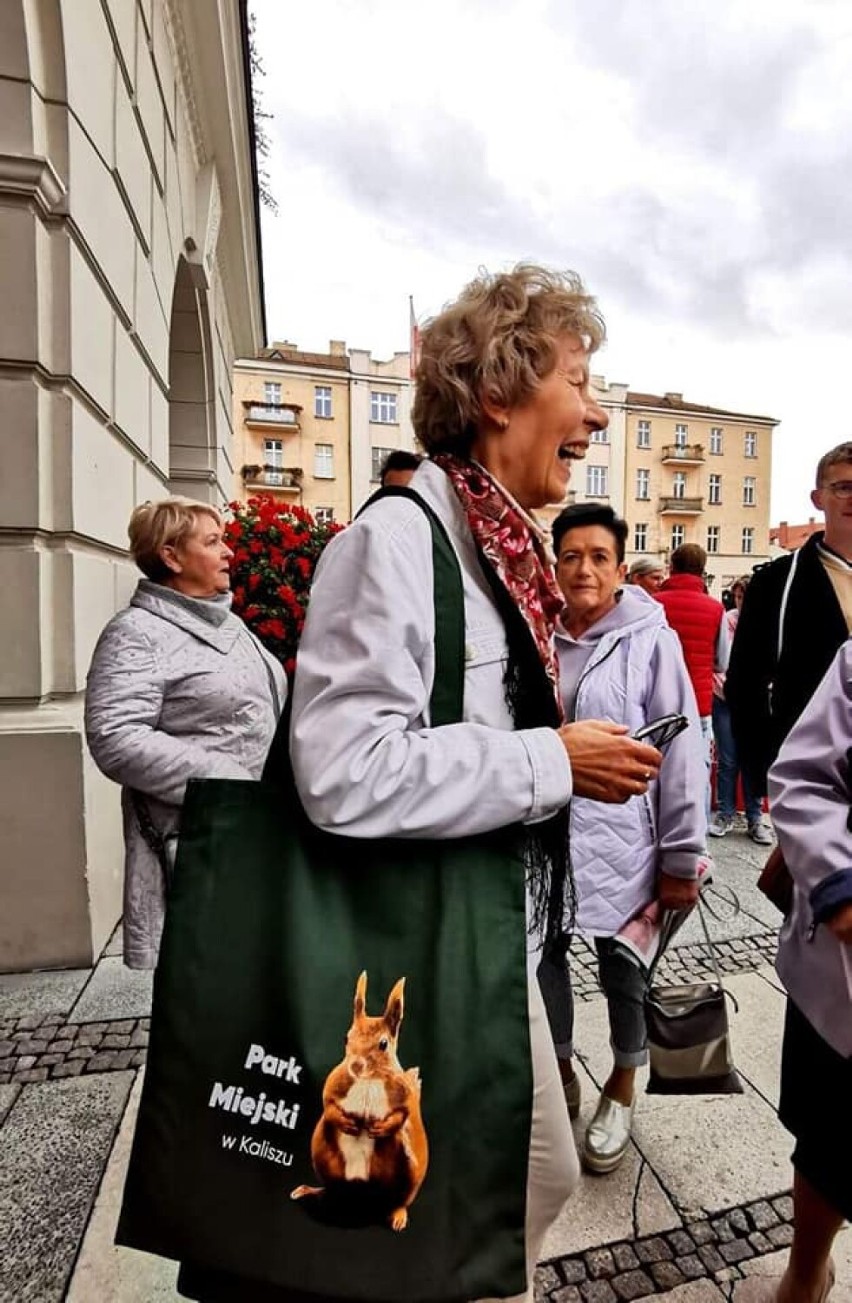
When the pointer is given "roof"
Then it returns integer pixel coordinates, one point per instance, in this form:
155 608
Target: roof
675 403
295 357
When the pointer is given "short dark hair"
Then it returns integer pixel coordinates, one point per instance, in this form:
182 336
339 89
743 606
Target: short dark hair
834 457
581 514
688 559
400 460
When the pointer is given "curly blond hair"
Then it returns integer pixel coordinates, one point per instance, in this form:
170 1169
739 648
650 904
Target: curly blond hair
497 342
155 525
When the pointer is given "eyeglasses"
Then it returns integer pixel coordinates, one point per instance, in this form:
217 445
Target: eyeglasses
840 489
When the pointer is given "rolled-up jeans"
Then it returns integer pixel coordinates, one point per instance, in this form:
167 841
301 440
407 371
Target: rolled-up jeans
624 984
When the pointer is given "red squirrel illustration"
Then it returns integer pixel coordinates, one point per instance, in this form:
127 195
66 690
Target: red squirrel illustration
371 1129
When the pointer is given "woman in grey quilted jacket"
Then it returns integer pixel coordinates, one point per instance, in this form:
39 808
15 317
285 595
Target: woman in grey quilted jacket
178 688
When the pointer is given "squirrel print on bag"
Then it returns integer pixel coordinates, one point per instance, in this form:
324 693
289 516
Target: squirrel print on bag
370 1140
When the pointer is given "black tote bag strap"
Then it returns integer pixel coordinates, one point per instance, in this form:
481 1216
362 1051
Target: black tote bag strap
446 704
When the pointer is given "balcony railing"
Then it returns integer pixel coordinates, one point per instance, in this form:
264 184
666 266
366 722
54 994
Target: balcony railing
272 414
681 506
288 478
685 452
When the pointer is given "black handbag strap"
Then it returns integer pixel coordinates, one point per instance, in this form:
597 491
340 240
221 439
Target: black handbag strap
152 837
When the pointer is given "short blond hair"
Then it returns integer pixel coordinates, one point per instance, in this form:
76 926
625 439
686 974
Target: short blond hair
497 342
155 525
839 456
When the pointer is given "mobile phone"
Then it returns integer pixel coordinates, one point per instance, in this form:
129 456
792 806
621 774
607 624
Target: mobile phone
660 732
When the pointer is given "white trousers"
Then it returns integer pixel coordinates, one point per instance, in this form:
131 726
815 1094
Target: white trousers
554 1168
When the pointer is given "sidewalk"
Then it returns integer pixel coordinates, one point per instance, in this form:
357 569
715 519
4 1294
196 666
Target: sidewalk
701 1200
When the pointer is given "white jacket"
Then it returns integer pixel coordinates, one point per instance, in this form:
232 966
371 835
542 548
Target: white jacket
634 673
366 762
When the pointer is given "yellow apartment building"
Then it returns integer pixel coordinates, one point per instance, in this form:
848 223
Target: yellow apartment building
697 474
314 428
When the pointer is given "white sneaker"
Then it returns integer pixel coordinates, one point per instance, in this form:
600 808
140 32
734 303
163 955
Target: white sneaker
720 825
759 833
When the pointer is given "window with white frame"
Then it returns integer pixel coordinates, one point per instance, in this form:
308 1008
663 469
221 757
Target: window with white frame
324 461
273 453
749 489
640 538
378 456
679 484
681 436
643 434
750 443
716 440
748 540
383 408
599 436
322 401
597 481
324 515
643 484
714 490
271 392
712 538
678 535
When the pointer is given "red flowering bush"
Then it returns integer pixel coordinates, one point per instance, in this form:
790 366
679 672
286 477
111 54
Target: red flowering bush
276 548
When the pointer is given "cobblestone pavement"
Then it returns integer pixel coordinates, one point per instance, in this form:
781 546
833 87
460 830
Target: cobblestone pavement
41 1047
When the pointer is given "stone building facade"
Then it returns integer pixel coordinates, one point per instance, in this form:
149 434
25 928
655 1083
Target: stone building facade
129 281
314 428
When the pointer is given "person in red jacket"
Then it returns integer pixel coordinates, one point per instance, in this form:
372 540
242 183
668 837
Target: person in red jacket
699 621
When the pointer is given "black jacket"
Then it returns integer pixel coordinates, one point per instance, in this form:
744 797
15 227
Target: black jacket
767 696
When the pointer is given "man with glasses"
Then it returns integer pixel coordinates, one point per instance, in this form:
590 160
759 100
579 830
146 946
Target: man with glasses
796 613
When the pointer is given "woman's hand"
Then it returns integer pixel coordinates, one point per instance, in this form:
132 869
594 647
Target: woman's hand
840 924
607 764
676 893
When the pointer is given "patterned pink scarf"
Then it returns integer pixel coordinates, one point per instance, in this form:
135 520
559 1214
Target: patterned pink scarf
514 551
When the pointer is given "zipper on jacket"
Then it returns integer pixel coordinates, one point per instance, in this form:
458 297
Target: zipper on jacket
587 671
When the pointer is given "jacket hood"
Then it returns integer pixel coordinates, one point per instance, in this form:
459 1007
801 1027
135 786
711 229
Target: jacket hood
634 610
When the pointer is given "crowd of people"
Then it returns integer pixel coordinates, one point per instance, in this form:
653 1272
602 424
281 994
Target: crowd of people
567 656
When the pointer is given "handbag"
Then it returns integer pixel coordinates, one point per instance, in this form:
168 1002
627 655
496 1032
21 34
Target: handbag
688 1036
338 1094
776 881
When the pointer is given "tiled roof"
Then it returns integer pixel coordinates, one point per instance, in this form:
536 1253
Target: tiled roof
676 403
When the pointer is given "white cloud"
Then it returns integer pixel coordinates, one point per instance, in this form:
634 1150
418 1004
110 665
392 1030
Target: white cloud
690 161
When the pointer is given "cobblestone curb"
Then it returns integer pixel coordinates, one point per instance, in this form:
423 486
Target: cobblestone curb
47 1047
682 963
701 1249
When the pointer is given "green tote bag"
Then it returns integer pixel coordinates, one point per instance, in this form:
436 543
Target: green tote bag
338 1094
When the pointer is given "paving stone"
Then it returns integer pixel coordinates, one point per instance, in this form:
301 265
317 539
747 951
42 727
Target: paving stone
87 1036
783 1205
711 1258
48 1060
70 1069
625 1257
597 1291
25 1062
633 1284
105 1061
690 1265
114 992
139 1039
723 1230
739 1221
681 1241
122 1028
701 1232
28 997
666 1275
139 1059
7 1048
113 1042
655 1250
30 1075
6 1074
759 1242
780 1236
546 1279
570 1294
61 1045
762 1215
55 1142
736 1251
8 1095
81 1052
600 1264
574 1271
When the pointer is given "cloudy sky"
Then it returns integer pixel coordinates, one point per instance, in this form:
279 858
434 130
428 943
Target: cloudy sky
691 159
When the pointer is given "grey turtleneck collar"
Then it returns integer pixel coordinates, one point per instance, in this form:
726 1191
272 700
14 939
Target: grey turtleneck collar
213 610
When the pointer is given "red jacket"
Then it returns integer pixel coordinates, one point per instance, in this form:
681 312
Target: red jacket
695 617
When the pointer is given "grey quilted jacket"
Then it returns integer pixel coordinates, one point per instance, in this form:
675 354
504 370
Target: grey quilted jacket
178 688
